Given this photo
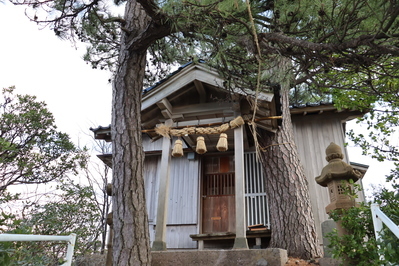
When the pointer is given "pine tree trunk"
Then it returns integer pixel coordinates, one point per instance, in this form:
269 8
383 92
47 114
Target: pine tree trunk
291 215
131 245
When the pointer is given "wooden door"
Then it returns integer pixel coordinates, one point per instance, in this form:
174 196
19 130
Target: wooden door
218 195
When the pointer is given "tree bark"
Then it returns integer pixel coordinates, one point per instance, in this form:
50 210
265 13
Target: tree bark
131 245
292 221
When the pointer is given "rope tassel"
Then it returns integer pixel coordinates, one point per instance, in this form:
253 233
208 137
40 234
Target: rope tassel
201 148
178 149
222 143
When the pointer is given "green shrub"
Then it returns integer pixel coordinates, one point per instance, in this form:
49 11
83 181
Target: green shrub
359 246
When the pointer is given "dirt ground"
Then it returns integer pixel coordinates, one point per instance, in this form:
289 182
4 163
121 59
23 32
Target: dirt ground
296 261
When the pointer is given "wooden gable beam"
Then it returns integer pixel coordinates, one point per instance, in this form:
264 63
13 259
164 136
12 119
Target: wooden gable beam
204 122
180 93
185 77
205 108
189 141
150 123
201 90
166 108
164 104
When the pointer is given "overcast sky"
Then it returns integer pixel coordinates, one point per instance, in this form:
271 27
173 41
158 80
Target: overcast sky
39 63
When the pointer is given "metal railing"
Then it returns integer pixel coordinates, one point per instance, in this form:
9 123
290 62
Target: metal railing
256 203
71 239
380 217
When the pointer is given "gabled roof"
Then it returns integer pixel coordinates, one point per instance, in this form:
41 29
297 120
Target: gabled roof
189 74
169 76
195 95
324 108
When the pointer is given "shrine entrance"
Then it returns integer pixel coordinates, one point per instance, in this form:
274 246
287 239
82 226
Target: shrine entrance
218 195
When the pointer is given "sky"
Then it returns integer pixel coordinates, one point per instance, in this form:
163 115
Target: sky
38 63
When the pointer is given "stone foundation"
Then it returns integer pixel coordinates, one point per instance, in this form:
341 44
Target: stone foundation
255 257
247 257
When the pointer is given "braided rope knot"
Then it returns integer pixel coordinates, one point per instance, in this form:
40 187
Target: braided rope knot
167 131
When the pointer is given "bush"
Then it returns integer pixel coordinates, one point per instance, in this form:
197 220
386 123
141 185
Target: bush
359 246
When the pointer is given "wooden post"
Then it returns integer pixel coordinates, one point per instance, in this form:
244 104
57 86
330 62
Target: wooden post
163 197
240 241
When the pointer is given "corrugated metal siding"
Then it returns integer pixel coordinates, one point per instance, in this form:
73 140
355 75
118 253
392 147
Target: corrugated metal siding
312 135
257 209
183 199
183 191
151 181
179 236
150 145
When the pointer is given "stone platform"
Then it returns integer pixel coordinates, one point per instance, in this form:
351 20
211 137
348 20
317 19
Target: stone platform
255 257
247 257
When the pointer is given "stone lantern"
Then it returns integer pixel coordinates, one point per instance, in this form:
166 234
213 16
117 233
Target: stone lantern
336 176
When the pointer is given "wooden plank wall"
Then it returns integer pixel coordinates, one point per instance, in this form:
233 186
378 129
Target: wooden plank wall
313 134
219 214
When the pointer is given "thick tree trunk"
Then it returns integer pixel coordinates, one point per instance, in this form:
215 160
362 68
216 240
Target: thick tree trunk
131 245
291 215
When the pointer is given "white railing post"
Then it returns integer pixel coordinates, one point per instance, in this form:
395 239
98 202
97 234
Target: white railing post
378 218
376 222
71 239
71 246
379 215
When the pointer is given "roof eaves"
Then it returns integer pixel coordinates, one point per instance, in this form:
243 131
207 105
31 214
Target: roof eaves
169 76
310 105
100 128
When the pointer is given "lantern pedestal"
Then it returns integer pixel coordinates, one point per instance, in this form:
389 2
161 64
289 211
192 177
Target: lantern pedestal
336 176
338 195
